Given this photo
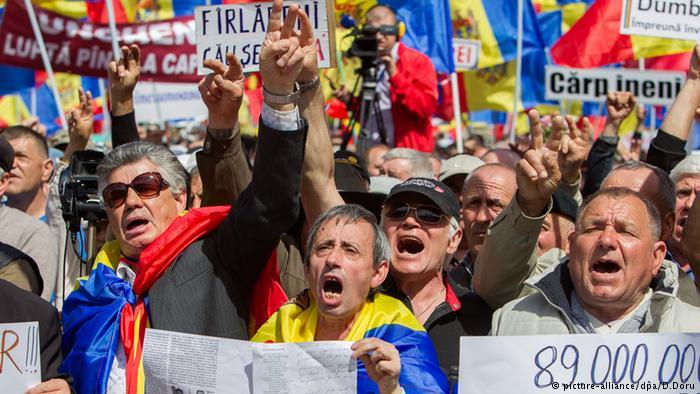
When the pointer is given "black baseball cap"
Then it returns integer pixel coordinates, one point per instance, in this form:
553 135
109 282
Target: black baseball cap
434 190
7 155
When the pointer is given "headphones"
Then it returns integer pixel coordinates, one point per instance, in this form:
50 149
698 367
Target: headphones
399 29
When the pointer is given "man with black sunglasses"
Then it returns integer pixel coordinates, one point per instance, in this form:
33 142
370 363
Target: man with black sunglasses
421 221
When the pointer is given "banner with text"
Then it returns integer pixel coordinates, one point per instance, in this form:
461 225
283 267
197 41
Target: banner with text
625 363
240 29
466 53
679 19
168 51
649 87
20 357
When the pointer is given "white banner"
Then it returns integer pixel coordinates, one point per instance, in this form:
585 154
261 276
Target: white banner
649 87
240 28
20 356
679 19
157 102
466 53
620 363
185 363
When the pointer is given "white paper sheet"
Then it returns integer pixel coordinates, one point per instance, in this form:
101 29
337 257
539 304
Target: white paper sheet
177 363
20 357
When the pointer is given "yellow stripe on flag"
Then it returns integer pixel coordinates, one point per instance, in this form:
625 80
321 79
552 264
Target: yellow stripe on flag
69 8
653 46
469 20
491 88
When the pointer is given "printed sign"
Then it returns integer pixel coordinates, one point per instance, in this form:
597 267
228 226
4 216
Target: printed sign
20 356
620 363
466 53
649 87
240 29
679 19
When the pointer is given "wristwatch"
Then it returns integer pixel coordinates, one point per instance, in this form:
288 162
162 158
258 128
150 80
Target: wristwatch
306 86
272 98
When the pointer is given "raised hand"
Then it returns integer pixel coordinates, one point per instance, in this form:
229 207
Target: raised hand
81 119
123 76
382 362
619 106
222 91
281 57
307 44
573 149
538 174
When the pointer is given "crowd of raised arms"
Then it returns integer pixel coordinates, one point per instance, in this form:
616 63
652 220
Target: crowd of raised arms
396 246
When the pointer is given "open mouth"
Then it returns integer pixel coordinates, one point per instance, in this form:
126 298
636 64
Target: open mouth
606 267
135 223
682 220
332 288
411 245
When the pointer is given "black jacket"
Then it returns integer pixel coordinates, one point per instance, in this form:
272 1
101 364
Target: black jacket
461 314
207 289
20 306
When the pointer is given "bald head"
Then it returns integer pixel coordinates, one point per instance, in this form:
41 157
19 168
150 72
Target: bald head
503 156
652 183
486 192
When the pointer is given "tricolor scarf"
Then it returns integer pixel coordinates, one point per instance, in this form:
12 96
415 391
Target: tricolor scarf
105 308
382 317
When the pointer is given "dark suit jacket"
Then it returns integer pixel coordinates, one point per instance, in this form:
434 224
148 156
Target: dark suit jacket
19 306
207 289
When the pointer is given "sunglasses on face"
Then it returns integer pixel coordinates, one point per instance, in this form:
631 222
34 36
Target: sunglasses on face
424 213
146 185
385 30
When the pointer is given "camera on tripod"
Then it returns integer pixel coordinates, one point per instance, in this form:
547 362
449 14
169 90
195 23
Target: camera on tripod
78 190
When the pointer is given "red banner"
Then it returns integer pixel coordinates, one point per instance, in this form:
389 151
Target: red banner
168 52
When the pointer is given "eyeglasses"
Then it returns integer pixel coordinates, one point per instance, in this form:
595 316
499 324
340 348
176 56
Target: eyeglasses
424 213
146 185
385 30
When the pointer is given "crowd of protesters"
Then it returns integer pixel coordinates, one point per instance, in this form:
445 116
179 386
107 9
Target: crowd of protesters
392 247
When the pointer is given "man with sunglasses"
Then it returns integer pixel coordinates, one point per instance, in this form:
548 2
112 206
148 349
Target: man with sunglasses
421 220
194 272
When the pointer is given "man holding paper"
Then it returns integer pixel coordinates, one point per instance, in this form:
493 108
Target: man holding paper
193 272
347 259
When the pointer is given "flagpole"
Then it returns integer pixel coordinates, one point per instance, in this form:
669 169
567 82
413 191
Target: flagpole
112 29
457 112
518 72
45 59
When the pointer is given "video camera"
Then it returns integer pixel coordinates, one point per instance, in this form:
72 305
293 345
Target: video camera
78 190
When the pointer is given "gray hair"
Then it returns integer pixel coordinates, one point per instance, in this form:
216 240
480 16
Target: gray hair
665 196
172 171
617 193
352 213
688 166
421 167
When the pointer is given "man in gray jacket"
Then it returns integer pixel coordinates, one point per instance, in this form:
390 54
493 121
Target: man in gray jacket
615 279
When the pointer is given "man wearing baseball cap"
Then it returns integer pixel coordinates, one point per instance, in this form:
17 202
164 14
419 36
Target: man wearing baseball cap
420 219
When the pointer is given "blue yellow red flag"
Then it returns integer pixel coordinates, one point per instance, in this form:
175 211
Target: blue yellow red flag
494 24
381 317
428 27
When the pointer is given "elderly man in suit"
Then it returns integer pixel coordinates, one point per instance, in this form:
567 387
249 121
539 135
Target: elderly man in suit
192 272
